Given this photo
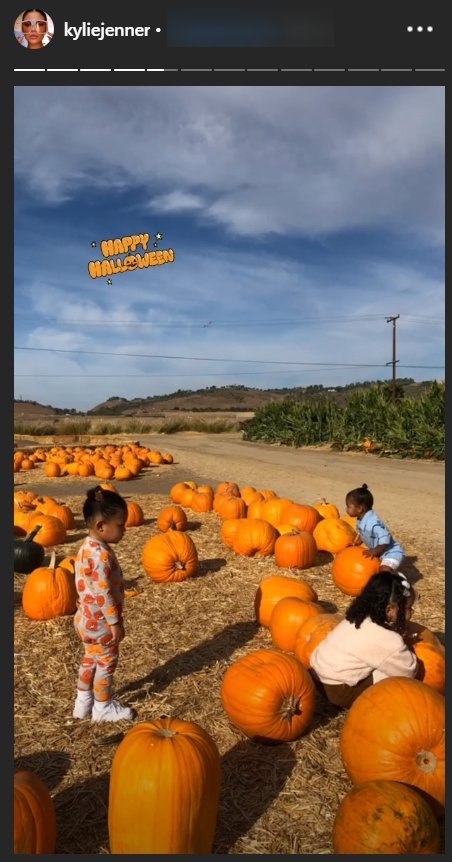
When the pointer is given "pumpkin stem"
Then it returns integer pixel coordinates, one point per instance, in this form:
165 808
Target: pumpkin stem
52 560
290 706
31 535
426 761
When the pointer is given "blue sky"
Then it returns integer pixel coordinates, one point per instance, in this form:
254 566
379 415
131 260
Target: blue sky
300 218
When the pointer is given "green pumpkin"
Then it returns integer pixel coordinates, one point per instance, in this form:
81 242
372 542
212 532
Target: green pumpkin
28 555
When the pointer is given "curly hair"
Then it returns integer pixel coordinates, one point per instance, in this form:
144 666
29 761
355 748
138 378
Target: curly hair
381 590
101 502
361 497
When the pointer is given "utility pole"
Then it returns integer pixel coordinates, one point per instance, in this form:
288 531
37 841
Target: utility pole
394 361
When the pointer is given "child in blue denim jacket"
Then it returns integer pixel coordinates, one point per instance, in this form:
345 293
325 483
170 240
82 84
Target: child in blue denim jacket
373 531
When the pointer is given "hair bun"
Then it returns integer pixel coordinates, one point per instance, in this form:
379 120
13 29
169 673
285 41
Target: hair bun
96 493
364 486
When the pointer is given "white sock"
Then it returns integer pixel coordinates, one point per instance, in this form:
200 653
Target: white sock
84 696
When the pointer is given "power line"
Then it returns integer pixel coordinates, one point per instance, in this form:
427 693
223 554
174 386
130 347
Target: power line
217 359
223 323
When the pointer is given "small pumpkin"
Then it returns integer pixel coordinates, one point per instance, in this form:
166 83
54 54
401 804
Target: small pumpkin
385 817
172 518
395 730
28 555
34 815
327 510
171 556
135 517
269 696
164 790
351 570
49 592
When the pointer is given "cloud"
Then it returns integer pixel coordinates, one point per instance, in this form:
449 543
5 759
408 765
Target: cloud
306 161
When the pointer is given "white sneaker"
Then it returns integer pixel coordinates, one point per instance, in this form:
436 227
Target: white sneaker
83 706
111 711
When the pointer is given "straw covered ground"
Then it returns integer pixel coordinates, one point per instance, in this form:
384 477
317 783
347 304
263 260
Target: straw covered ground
180 639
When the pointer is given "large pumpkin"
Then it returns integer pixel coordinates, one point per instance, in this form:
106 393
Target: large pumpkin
385 817
303 517
34 815
49 592
312 632
170 557
276 587
288 615
433 664
351 570
164 790
295 550
254 538
274 510
269 696
395 730
228 529
52 531
333 535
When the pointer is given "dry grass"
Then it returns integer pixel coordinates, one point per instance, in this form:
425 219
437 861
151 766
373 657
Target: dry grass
180 640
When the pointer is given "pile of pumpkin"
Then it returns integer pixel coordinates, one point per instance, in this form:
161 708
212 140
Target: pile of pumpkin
260 524
392 747
104 462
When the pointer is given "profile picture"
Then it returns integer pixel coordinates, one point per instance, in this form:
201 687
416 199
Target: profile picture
33 29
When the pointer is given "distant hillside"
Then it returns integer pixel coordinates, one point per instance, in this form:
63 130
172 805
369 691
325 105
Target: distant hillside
235 398
238 399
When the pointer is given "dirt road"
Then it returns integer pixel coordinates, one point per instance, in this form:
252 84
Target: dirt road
409 495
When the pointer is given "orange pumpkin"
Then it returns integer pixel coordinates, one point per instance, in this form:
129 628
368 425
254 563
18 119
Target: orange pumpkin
311 633
230 506
135 517
176 491
304 518
288 615
228 488
351 570
52 469
167 458
248 493
122 474
327 510
202 501
385 817
52 530
256 510
49 592
34 815
269 696
395 730
274 510
170 557
172 518
164 790
333 535
228 529
295 550
254 538
276 587
433 664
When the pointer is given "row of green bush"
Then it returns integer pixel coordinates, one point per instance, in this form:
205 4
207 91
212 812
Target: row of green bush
410 427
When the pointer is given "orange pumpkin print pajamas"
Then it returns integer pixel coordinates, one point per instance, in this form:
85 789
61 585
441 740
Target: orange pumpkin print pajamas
100 588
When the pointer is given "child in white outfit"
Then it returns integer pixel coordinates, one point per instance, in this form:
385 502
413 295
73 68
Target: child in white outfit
368 645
